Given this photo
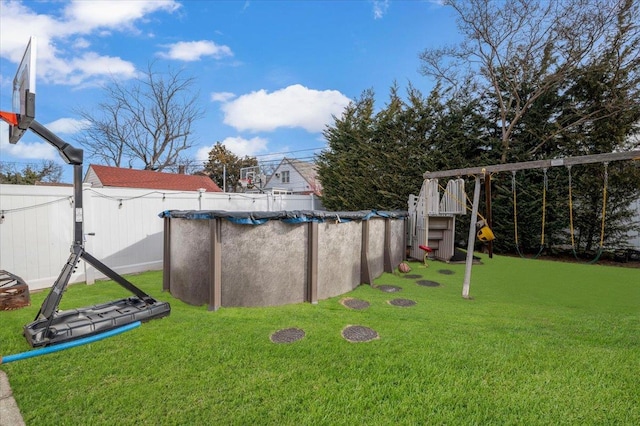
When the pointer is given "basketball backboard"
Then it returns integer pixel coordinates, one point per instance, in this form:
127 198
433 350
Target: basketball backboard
24 92
252 177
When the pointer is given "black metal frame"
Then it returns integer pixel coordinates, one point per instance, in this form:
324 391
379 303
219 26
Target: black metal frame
52 326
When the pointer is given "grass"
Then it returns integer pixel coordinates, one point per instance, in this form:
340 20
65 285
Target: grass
540 343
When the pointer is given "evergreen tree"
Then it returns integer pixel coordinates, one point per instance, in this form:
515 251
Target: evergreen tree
223 162
341 167
375 161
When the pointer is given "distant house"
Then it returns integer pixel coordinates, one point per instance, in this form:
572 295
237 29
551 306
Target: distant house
117 177
296 177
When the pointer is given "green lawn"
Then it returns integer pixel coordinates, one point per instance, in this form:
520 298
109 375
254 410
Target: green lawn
540 343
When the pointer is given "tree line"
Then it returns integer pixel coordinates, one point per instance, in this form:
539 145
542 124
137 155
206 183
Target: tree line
530 81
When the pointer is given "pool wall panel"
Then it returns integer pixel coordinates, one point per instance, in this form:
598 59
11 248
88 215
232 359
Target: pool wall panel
218 262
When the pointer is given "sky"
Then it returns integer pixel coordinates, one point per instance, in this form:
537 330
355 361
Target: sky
270 75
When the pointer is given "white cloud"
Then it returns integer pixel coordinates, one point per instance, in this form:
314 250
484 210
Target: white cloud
92 64
68 126
380 8
116 14
238 145
222 96
189 51
63 55
25 150
293 106
241 146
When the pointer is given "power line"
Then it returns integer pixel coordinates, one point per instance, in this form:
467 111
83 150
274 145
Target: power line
288 152
277 161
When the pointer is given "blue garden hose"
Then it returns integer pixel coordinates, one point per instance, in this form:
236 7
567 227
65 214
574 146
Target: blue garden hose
67 345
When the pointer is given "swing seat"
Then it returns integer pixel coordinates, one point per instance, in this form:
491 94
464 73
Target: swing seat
485 234
427 251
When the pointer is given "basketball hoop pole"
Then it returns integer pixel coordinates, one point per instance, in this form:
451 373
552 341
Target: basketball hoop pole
52 326
48 311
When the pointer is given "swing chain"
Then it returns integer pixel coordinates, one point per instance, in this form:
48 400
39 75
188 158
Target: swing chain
515 209
604 203
571 231
544 207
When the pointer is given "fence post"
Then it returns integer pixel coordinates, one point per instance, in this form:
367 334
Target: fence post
89 232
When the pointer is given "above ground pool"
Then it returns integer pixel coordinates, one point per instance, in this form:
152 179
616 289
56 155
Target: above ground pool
221 258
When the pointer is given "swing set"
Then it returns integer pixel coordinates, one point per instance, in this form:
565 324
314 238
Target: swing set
482 173
545 188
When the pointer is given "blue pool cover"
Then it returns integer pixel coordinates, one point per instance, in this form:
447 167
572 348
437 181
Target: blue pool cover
287 216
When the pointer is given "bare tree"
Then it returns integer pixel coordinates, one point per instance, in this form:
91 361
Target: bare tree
45 171
520 50
149 121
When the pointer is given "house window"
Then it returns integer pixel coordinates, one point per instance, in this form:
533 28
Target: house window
284 176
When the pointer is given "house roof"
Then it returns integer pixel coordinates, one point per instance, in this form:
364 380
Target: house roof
306 170
148 179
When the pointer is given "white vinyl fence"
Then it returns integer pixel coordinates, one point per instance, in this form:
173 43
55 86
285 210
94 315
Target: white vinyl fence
121 225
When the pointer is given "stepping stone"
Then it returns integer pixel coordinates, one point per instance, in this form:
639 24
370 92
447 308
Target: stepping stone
358 333
446 272
355 303
427 283
287 335
412 276
388 288
403 303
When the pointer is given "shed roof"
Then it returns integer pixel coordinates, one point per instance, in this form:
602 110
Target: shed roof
109 176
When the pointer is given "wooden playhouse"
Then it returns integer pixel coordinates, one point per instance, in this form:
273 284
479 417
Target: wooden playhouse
432 218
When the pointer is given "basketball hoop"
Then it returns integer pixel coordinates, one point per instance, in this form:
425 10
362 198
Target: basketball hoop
250 177
24 93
